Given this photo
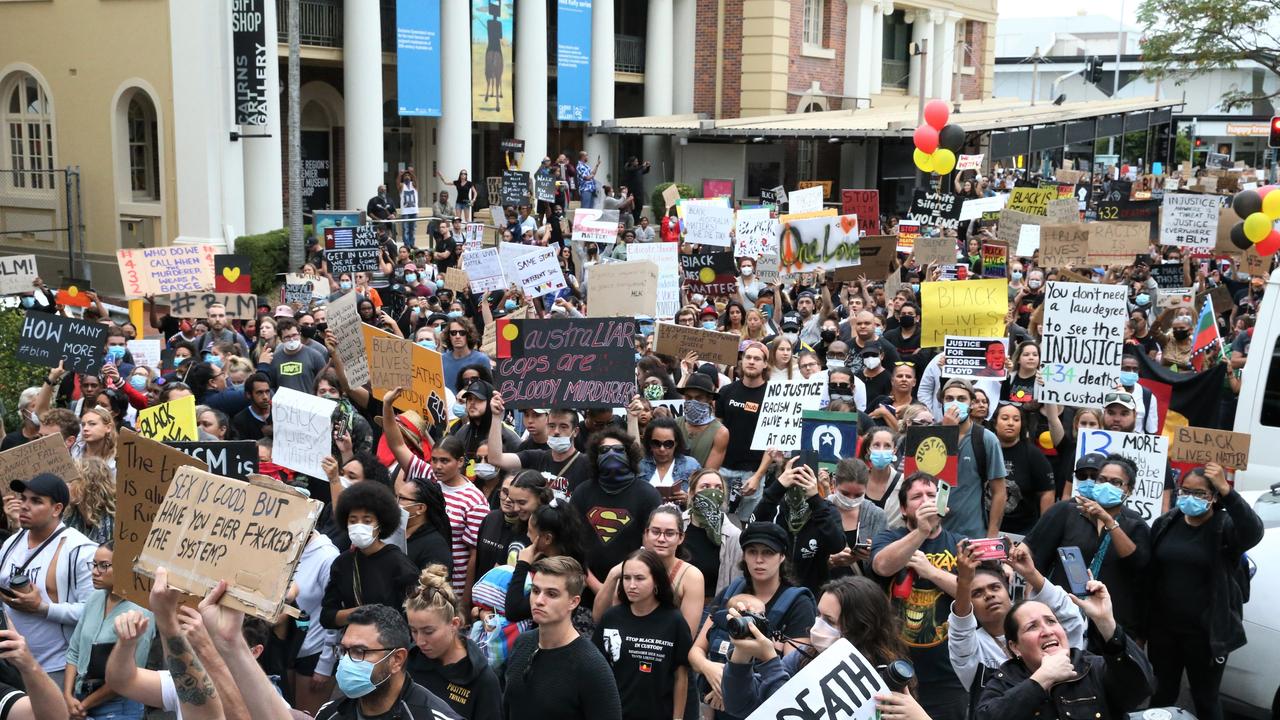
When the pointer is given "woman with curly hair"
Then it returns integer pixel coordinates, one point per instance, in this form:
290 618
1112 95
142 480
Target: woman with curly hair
93 500
372 571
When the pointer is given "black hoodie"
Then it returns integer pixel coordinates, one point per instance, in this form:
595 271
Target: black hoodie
469 685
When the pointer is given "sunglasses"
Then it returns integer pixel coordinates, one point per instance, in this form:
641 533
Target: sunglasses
457 332
664 444
1117 397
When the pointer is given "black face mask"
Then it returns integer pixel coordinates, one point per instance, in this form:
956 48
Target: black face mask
308 331
828 335
1181 334
907 321
840 390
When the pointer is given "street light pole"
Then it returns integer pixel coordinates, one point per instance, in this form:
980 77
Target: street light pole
1115 78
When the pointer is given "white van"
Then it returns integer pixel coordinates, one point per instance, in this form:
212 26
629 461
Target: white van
1258 411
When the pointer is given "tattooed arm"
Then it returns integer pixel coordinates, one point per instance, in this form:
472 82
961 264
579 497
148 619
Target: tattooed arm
199 700
223 624
232 702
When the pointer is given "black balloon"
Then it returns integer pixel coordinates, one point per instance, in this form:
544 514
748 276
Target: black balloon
1246 203
951 137
1237 233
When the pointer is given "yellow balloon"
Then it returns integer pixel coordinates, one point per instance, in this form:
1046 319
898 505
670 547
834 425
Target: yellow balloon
944 161
1257 226
1271 205
924 160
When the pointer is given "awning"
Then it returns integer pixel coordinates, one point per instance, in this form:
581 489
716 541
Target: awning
896 117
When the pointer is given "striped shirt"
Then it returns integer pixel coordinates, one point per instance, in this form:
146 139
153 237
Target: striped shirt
466 507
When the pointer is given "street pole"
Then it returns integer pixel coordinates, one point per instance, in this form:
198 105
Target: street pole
1035 76
922 50
297 250
1115 79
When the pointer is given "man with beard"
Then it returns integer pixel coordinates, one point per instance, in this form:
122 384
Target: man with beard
738 407
918 560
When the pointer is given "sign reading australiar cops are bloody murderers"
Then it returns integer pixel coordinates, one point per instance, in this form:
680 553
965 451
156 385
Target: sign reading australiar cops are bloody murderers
568 363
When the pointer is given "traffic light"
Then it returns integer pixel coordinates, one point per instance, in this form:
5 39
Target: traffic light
1199 142
1093 69
1274 139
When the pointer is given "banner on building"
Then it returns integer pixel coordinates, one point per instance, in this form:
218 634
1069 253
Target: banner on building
491 60
418 57
249 58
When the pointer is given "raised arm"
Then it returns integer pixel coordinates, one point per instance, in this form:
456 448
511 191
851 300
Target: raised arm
224 625
123 674
196 694
391 430
233 703
497 456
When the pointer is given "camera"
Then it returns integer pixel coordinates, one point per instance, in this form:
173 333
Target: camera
740 627
897 674
18 579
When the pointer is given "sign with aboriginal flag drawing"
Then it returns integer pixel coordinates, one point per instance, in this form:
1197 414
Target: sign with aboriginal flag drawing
932 449
567 363
709 273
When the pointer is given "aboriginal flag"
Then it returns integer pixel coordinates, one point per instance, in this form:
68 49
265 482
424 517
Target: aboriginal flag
932 449
1190 398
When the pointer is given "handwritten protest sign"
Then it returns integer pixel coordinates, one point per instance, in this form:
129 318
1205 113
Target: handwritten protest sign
805 200
708 273
624 289
974 357
755 233
823 241
781 413
1028 240
593 225
539 273
173 420
209 528
1118 240
995 260
164 270
484 270
1169 275
390 359
319 287
1200 446
839 677
49 339
671 194
47 453
1083 342
344 322
456 279
1062 245
940 210
1033 201
568 362
1189 220
1063 210
515 188
17 273
970 308
1149 452
876 255
1254 264
508 254
196 305
303 427
707 222
666 256
351 249
232 458
679 340
425 395
936 250
145 352
969 162
866 205
1011 223
973 209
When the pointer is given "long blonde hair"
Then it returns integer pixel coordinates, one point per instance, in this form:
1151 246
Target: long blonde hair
97 491
434 593
761 332
109 440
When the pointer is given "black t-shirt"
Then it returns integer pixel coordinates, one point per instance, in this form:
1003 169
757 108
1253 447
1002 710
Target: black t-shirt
738 407
615 522
13 440
493 541
881 384
531 444
446 245
1018 389
1027 474
428 547
568 475
644 653
9 697
904 346
1182 565
704 555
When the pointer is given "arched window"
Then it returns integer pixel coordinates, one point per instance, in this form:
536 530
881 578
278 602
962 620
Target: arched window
144 153
28 133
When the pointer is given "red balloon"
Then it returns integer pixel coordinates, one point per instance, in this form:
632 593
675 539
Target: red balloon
936 114
1124 169
1270 246
1262 191
926 139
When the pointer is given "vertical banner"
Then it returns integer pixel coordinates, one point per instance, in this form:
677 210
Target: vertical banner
573 60
418 57
492 34
249 58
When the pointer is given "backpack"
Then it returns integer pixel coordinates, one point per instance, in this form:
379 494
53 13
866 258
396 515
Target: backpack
719 643
977 442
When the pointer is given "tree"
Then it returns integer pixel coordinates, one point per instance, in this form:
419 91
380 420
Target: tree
297 250
1185 38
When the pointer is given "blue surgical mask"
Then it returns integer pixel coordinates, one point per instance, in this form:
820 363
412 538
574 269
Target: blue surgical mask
458 409
178 360
115 353
355 678
427 343
454 314
510 305
709 325
235 387
138 382
961 408
345 285
915 288
213 360
1016 275
1107 495
28 302
1142 299
1128 379
439 284
881 459
410 277
1192 506
1084 488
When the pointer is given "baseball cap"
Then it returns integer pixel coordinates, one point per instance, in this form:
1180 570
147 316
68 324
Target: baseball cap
771 535
1123 399
410 267
870 349
283 311
1092 461
708 310
478 388
45 484
791 320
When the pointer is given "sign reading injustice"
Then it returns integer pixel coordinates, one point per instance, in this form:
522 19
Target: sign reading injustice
1083 342
570 363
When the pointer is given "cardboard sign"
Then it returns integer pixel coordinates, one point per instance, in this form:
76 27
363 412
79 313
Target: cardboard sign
344 321
484 270
824 184
49 339
709 273
1189 221
969 162
592 225
319 286
971 308
995 260
665 256
1063 245
932 449
232 274
625 289
825 241
515 188
711 346
303 431
145 352
671 195
707 223
1201 446
1069 176
974 357
568 362
973 209
539 273
210 528
144 470
457 280
196 305
839 679
1009 228
1063 210
937 250
47 453
1176 297
832 436
234 458
1083 341
1032 200
17 273
164 270
876 255
351 249
174 420
1254 264
866 205
940 210
390 359
755 233
805 200
1149 452
779 424
1118 241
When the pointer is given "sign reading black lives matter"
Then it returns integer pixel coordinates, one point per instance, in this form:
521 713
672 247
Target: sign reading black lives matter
1083 342
351 249
940 210
49 339
249 54
568 363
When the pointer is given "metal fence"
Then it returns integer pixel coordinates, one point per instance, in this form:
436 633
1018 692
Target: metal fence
41 210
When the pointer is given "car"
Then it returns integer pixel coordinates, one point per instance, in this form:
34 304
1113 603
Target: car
1251 684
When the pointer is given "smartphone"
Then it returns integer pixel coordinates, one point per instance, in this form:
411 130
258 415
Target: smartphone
861 543
1077 573
989 548
944 493
809 458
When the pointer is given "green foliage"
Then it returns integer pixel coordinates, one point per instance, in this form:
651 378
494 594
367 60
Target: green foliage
1182 146
656 201
268 256
15 375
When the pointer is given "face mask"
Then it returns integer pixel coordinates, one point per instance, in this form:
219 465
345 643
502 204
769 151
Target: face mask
439 284
828 336
1017 275
1192 506
1107 495
486 471
115 353
879 332
345 285
881 459
178 360
237 387
654 392
907 321
28 303
458 409
559 444
871 363
1084 488
844 502
1033 284
792 338
1181 334
411 277
361 535
961 408
509 305
455 314
697 413
613 469
748 271
709 325
355 679
707 506
293 346
822 635
428 344
1128 379
915 288
34 418
214 360
1142 299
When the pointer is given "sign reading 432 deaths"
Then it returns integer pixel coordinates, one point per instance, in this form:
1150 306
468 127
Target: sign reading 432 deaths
1083 342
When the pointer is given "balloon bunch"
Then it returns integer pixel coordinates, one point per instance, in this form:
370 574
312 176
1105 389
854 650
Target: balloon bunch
1260 209
937 142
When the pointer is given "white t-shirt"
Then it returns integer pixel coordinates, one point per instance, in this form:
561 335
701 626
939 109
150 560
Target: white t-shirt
44 636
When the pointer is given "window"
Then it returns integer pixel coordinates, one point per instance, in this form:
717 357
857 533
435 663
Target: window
813 11
144 155
28 133
1270 415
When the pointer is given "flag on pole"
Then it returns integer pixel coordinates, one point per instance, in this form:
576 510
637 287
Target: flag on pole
1206 334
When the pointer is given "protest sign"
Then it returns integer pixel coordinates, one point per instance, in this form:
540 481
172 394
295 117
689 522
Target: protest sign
144 469
1062 245
1009 229
975 357
624 289
1063 210
484 270
839 679
48 339
515 188
1028 240
319 286
767 269
995 260
826 241
145 352
1254 264
232 274
508 254
1149 452
805 200
592 225
233 458
824 184
1144 211
932 449
1032 200
544 186
303 426
866 205
351 249
1200 446
1176 297
972 209
196 305
940 210
1068 176
390 359
1118 241
781 413
210 528
709 273
832 436
908 232
47 453
539 273
666 256
876 255
755 233
969 162
17 273
711 346
707 223
164 270
568 362
1190 221
173 420
1169 275
299 293
344 322
671 194
472 237
456 279
714 188
1227 219
1083 342
971 308
936 250
953 272
426 394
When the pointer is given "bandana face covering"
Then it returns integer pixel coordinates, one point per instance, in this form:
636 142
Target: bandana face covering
708 506
798 509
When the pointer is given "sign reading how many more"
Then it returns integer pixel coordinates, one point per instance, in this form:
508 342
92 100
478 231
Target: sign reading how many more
781 417
351 249
48 339
1149 452
1083 342
164 270
1189 221
571 363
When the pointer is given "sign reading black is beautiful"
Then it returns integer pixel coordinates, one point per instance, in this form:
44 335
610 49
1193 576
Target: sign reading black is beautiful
49 339
249 61
941 210
568 363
